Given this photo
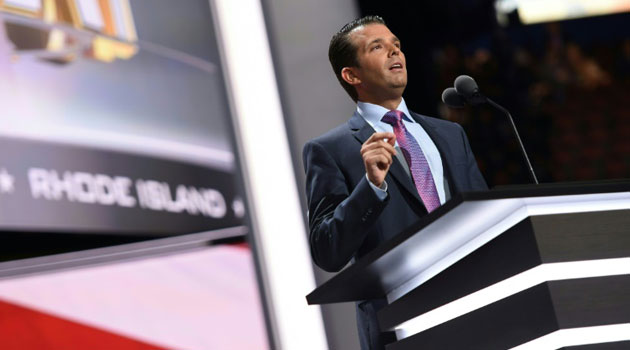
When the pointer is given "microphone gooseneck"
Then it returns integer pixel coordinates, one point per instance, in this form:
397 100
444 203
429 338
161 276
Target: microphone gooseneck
518 137
466 92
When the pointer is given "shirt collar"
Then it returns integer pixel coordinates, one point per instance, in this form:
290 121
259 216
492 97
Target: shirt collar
373 113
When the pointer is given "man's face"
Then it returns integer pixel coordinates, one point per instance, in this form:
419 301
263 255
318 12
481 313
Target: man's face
382 67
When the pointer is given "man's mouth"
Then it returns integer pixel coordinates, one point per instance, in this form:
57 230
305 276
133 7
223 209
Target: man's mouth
396 66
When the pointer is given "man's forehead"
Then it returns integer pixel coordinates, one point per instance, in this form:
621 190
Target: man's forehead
371 31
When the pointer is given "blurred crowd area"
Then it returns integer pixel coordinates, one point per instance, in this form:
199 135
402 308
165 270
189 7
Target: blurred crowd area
567 99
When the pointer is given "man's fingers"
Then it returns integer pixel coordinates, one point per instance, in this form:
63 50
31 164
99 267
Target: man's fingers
389 146
378 155
378 136
380 161
392 140
379 144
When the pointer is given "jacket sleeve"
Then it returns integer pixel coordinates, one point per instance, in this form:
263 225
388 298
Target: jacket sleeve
339 217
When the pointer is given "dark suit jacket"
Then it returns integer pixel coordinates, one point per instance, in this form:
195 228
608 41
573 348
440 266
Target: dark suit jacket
346 218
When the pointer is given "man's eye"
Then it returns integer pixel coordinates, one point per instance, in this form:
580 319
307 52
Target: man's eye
375 47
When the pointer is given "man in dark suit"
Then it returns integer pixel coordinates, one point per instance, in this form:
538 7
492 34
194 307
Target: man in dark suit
384 169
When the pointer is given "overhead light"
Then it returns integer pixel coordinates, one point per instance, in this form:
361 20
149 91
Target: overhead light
537 11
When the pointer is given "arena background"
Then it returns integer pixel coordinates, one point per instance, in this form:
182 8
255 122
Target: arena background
167 113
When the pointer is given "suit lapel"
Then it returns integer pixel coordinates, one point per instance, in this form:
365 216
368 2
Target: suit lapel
362 131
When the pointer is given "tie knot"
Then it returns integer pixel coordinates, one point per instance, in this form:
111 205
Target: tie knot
393 117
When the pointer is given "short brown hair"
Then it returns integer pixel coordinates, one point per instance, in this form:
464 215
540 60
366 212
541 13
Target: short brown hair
343 53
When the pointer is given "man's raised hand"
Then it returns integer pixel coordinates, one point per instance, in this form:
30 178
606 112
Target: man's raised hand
378 152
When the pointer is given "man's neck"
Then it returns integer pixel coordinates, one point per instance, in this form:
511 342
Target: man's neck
390 103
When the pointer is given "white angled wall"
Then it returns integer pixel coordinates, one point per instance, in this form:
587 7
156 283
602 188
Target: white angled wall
275 209
314 103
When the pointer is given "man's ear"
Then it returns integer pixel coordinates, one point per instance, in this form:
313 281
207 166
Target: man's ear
349 76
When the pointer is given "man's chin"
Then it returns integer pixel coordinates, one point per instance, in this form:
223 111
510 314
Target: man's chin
398 82
399 85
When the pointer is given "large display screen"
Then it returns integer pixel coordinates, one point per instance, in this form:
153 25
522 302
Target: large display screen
115 118
115 122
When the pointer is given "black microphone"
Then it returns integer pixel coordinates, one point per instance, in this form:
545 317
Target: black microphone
466 92
452 98
468 89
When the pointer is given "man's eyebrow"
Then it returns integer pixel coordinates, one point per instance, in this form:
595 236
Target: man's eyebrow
378 40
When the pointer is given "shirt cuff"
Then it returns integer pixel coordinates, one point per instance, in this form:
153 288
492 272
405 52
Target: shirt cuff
381 192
